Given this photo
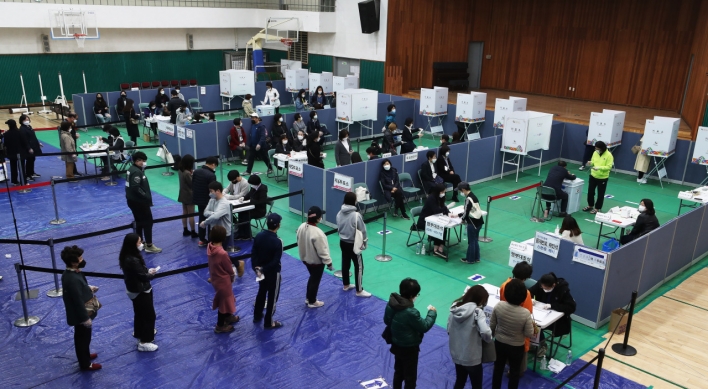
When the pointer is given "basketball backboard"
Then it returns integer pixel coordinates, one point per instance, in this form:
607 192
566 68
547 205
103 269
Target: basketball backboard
70 23
282 28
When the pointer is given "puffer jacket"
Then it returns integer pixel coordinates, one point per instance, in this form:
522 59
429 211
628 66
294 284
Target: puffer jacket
407 326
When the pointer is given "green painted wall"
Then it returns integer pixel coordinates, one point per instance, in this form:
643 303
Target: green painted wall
104 71
320 63
372 75
276 55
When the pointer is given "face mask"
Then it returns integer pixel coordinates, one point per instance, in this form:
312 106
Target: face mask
82 264
434 160
441 195
299 137
122 95
162 92
254 186
280 120
409 127
177 90
302 96
393 111
299 119
642 208
447 154
598 151
319 92
285 142
141 247
314 118
387 167
145 164
212 195
153 107
548 290
253 122
26 122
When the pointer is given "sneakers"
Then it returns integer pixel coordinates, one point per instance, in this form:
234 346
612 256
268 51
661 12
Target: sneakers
642 180
349 287
316 304
202 243
93 366
581 168
151 248
463 260
232 319
224 329
363 293
93 355
244 163
106 178
405 216
147 347
241 268
36 175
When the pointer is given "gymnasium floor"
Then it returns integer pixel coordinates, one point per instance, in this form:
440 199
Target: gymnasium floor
441 282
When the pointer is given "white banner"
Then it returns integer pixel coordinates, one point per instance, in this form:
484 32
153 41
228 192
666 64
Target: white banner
435 228
546 244
181 133
166 128
520 252
590 257
700 152
295 169
343 183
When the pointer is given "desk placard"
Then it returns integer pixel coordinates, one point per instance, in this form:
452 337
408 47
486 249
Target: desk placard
546 244
436 129
435 228
281 163
603 217
295 169
520 256
343 183
386 155
411 157
518 246
687 195
181 133
590 257
166 128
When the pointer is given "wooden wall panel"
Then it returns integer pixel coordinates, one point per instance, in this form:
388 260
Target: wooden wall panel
695 104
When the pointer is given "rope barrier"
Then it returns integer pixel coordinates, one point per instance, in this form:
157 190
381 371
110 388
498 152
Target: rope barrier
92 234
486 239
513 192
24 241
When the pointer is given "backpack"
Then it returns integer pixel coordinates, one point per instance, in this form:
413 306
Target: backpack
362 194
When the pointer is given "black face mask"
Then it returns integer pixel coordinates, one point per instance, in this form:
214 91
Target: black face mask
122 96
253 122
82 264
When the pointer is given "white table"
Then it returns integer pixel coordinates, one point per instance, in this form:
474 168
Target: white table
450 224
620 218
100 147
694 198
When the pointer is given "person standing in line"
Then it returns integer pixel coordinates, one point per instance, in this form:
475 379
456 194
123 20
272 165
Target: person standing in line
137 285
522 271
221 276
130 116
35 148
554 180
265 259
139 197
76 293
407 329
343 149
601 162
201 178
258 144
218 210
472 216
239 141
468 330
349 222
67 145
511 324
185 196
73 118
314 253
272 97
15 144
641 164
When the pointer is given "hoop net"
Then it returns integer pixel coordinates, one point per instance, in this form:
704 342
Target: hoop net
80 40
287 42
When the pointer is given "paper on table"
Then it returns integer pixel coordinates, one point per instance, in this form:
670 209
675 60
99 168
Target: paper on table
556 366
540 314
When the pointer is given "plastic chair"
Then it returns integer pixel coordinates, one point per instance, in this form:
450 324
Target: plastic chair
165 83
261 222
529 282
194 105
192 82
184 82
415 214
425 194
271 152
365 203
174 83
120 116
155 84
135 85
391 203
146 85
408 190
124 86
547 195
128 156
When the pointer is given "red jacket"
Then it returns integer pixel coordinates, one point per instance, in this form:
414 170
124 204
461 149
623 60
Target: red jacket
235 141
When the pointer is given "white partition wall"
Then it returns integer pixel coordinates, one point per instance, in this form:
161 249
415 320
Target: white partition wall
433 102
700 152
236 83
471 107
660 136
355 105
351 82
324 80
296 79
607 127
503 107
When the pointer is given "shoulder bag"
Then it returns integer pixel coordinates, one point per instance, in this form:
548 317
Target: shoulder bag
92 306
359 243
489 352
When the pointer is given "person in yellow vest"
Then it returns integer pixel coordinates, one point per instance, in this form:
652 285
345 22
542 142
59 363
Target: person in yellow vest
601 162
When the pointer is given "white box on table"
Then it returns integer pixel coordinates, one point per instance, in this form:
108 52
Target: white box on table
433 102
265 110
471 107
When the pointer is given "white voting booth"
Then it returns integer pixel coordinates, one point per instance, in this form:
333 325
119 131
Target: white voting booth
286 64
700 151
357 106
342 83
659 142
525 131
296 79
606 127
503 107
234 83
433 105
471 109
325 80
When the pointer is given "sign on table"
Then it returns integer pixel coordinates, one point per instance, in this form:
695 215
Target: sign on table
546 244
590 257
520 252
166 128
342 182
435 228
281 163
295 169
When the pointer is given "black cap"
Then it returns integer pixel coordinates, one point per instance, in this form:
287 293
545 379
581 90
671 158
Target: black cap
273 220
315 211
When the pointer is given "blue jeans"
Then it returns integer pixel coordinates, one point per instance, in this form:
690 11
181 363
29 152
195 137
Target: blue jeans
101 118
472 244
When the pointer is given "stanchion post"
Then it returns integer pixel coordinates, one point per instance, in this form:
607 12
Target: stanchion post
302 210
167 171
57 291
233 248
56 210
23 178
25 320
484 239
383 257
598 370
623 348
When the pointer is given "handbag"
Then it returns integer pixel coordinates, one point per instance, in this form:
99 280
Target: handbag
92 306
146 137
386 334
636 149
359 243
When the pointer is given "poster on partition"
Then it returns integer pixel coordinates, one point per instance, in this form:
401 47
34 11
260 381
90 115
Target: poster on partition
181 133
166 128
700 152
546 244
343 183
586 256
296 79
434 227
514 136
344 107
295 168
660 135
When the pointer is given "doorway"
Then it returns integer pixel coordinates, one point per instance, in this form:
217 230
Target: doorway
343 67
475 56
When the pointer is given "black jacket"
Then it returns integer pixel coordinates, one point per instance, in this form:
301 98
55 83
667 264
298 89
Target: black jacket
645 224
278 130
266 252
297 144
172 106
426 175
133 129
138 188
15 144
313 154
560 300
389 180
100 107
407 138
388 144
316 104
280 148
121 104
76 294
258 197
161 100
201 178
431 207
556 176
313 125
441 164
137 279
31 139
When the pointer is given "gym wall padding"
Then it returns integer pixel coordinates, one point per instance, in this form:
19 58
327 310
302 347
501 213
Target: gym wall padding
481 159
371 75
170 141
459 155
204 139
657 257
623 272
585 281
702 241
573 142
314 186
223 130
684 242
335 197
318 63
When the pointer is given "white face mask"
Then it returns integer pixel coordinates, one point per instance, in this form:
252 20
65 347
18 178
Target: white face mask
26 122
447 154
299 137
314 118
548 290
254 186
441 195
434 160
387 167
285 142
319 92
177 90
393 111
162 92
141 247
145 164
280 120
642 208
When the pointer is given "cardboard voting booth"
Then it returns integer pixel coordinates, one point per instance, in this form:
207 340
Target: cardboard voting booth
503 107
342 83
324 80
700 152
526 131
234 82
471 107
607 127
433 102
356 105
296 79
660 136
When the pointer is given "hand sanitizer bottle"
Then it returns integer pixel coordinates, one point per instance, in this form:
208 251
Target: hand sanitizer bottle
557 229
544 363
422 249
417 249
569 358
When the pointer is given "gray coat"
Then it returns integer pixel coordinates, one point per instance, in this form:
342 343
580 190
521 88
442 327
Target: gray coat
341 153
67 146
348 221
468 328
185 187
218 213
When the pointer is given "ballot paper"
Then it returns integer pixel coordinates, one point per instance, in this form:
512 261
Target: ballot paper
556 366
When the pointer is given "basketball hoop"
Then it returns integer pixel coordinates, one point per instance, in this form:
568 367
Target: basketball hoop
80 40
287 42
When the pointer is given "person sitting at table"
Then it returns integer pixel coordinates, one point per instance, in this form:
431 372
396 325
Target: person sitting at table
356 157
257 196
554 180
283 146
447 171
554 293
300 141
314 126
211 116
522 271
318 100
161 100
279 128
371 153
646 222
198 118
100 109
388 177
407 137
343 149
247 106
434 205
314 150
238 141
238 187
570 230
445 140
115 145
301 103
299 124
428 172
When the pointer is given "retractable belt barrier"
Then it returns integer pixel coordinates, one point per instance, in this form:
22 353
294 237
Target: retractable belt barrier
485 239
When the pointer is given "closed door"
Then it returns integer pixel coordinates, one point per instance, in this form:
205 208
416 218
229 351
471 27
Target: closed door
342 66
474 63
